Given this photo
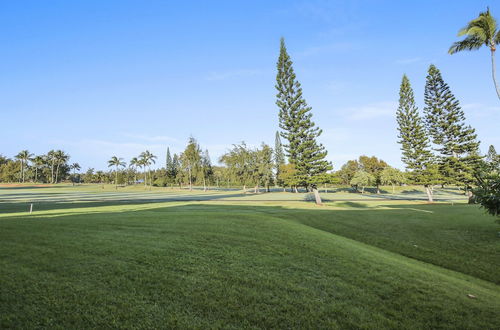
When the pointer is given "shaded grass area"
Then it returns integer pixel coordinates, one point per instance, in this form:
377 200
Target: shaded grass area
458 237
182 265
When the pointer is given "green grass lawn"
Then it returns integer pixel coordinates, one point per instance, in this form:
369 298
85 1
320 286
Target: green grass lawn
256 264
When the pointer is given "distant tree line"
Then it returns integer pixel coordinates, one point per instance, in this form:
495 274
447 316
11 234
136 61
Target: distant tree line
52 167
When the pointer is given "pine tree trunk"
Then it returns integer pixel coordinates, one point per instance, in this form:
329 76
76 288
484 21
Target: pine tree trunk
493 72
317 197
471 197
429 194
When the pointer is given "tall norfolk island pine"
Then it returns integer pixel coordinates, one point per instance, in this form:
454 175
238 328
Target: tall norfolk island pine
445 121
414 142
303 151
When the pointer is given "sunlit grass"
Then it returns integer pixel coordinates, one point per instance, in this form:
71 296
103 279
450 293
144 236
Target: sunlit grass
247 263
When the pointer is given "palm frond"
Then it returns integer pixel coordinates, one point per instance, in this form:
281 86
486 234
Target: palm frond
469 43
496 40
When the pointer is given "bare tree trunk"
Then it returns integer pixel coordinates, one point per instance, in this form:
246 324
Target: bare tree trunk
493 71
204 185
378 190
429 194
362 189
256 189
393 189
317 197
244 188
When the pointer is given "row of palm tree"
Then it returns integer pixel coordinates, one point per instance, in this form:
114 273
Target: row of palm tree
54 159
144 160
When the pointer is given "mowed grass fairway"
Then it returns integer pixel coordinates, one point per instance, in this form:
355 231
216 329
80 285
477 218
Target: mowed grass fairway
143 259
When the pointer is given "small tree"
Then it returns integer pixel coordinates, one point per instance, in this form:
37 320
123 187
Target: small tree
487 192
288 175
347 171
191 160
374 166
392 176
363 179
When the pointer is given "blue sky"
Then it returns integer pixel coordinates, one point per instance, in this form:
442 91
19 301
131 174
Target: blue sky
103 78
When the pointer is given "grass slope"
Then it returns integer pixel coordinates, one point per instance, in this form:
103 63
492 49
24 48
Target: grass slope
195 265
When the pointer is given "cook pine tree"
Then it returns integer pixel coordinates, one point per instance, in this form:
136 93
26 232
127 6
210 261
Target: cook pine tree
415 145
455 142
297 128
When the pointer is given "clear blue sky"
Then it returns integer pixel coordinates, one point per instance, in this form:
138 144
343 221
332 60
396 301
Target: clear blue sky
103 78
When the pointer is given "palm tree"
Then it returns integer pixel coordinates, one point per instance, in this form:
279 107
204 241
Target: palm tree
24 156
480 31
60 158
51 158
117 162
134 164
75 167
38 163
147 158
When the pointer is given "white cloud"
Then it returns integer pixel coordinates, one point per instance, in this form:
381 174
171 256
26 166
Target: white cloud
371 111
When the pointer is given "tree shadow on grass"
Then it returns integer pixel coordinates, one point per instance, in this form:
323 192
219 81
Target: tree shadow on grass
391 227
